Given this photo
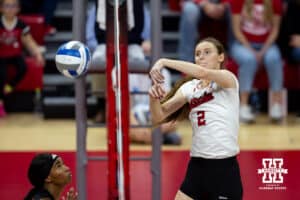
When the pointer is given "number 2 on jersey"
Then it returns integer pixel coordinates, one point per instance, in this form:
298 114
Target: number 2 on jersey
201 118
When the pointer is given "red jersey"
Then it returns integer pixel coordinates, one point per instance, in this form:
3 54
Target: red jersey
213 1
10 38
255 28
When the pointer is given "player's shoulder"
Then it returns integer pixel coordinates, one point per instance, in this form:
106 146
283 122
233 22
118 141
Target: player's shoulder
234 83
189 84
186 86
23 26
229 73
21 23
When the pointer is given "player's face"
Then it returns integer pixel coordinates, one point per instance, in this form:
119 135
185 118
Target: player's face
60 174
206 55
10 8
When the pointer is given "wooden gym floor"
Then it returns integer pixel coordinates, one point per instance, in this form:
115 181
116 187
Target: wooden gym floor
29 132
22 135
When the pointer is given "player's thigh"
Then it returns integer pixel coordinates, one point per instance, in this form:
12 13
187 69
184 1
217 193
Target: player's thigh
181 196
230 174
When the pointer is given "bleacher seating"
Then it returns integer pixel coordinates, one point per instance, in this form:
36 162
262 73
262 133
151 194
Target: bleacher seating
37 26
218 29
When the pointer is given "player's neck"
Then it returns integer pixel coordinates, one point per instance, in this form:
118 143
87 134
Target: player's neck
9 19
9 22
54 190
204 83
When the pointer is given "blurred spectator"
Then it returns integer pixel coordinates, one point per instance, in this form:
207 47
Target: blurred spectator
139 48
256 26
14 33
96 37
146 35
93 43
289 39
43 7
140 111
195 12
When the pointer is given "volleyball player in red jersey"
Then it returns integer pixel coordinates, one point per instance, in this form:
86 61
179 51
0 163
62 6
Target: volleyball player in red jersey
209 95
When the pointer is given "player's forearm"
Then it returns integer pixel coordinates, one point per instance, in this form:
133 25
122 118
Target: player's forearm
156 110
187 68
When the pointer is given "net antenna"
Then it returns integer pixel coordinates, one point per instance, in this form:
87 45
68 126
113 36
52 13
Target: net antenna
116 79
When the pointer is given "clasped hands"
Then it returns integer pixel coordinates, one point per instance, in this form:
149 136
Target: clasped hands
157 91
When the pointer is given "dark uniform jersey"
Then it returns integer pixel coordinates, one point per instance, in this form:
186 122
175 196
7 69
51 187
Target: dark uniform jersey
37 194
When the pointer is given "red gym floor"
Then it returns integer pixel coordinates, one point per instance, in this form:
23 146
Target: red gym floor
14 185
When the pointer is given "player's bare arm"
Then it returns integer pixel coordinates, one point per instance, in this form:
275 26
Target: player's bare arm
224 78
160 111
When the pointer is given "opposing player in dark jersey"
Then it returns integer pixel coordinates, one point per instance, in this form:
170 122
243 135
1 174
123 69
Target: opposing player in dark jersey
210 97
13 35
49 176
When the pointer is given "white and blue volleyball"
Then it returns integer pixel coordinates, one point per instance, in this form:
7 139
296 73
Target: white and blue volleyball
72 59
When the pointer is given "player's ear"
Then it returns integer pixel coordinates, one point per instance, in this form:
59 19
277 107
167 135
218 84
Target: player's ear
221 57
48 179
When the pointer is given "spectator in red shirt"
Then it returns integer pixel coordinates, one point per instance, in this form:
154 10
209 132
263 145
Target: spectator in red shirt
13 35
255 27
193 13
